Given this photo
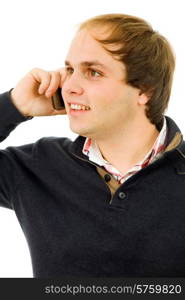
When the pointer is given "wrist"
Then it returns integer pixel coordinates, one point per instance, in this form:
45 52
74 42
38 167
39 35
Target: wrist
14 101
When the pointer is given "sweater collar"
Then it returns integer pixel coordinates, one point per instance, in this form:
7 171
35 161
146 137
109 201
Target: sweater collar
174 140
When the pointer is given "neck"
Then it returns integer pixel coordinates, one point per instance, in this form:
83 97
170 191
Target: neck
128 146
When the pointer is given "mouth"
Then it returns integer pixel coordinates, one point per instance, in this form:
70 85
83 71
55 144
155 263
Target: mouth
78 109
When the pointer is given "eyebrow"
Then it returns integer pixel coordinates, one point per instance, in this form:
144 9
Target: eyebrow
89 64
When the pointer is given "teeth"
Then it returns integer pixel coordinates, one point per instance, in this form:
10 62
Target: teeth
79 107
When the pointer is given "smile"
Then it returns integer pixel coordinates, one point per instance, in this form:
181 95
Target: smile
79 107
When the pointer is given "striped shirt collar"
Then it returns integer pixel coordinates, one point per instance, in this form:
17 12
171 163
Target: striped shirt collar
92 150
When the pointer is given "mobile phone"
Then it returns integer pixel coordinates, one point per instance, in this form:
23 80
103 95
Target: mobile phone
57 100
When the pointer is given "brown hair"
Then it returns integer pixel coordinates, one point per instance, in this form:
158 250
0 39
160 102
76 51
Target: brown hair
147 56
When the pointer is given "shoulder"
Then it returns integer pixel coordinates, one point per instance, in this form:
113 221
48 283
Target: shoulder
51 143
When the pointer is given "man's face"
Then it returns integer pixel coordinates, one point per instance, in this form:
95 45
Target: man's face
94 78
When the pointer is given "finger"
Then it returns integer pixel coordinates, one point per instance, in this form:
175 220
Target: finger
42 77
54 83
63 74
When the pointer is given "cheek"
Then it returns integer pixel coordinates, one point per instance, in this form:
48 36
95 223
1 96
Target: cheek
101 96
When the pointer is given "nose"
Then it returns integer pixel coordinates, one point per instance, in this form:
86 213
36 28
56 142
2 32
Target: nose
73 84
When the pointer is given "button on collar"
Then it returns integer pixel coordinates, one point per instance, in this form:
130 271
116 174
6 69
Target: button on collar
107 177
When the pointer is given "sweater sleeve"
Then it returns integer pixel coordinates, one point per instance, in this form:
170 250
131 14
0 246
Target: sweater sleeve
10 117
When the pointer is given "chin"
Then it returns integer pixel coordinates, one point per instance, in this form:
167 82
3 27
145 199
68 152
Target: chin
83 131
79 131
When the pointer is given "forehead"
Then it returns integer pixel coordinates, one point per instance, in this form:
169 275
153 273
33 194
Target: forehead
85 48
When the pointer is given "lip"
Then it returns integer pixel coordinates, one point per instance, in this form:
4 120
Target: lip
75 112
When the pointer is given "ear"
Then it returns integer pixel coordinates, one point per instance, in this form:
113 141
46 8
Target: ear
142 98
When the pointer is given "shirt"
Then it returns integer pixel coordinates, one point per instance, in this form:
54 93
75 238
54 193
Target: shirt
92 150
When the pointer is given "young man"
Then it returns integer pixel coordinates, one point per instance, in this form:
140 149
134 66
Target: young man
111 203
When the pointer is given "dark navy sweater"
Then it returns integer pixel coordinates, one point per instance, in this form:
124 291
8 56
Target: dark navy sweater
79 222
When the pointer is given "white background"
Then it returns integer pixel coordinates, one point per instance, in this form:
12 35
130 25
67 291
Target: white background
37 33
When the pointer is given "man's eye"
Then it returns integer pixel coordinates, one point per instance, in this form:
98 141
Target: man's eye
94 73
69 70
